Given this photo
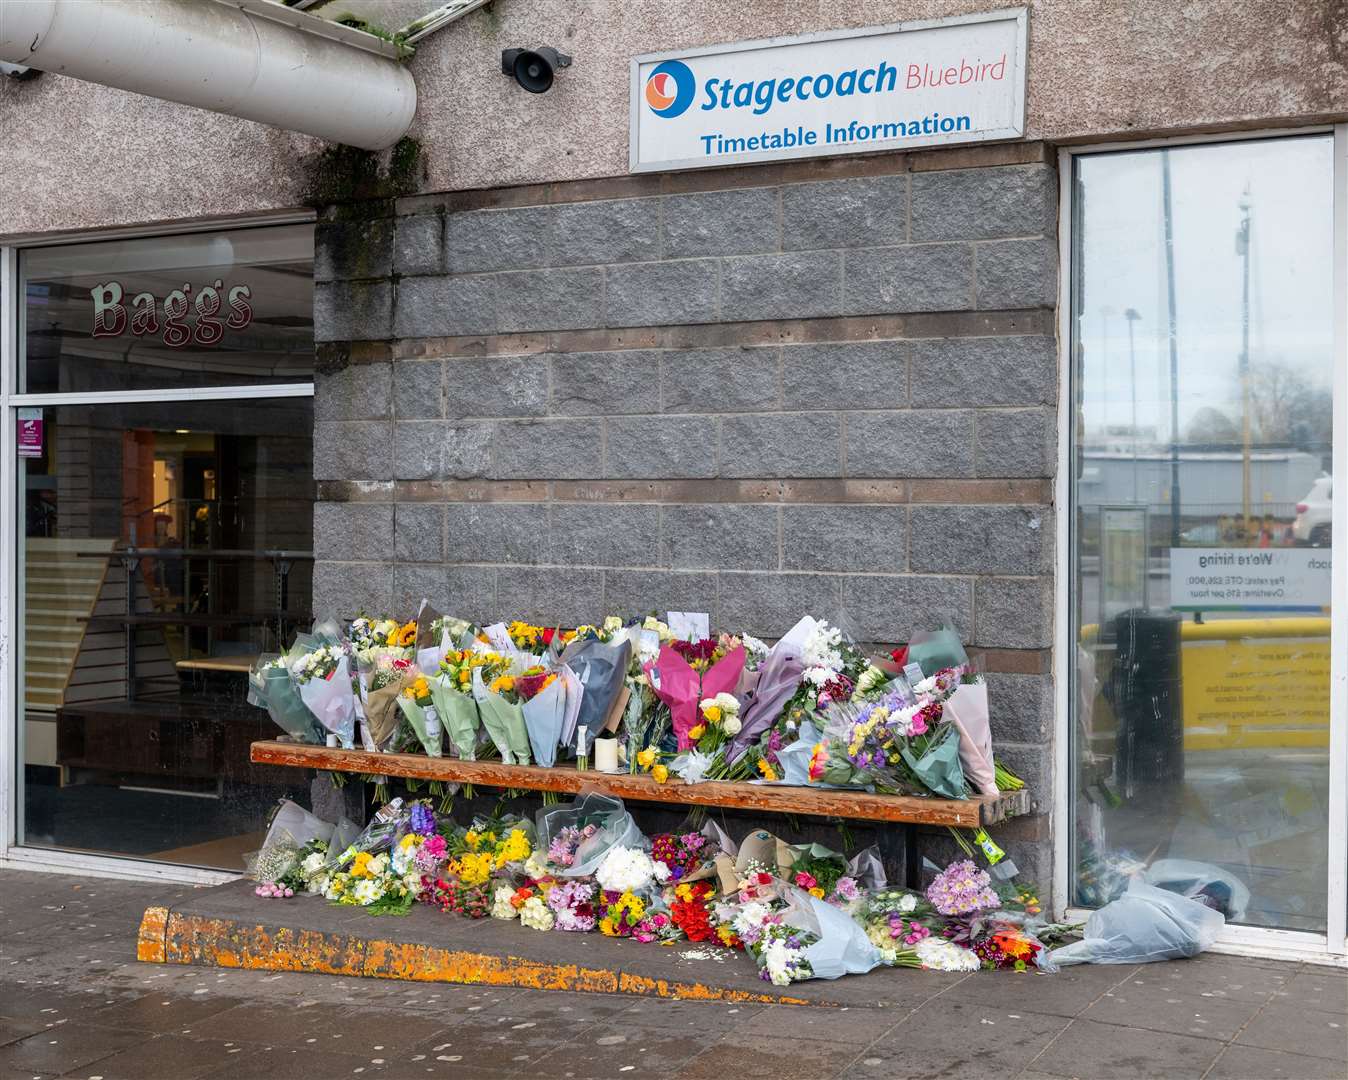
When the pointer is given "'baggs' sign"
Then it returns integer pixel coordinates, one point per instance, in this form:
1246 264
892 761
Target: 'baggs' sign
932 83
213 310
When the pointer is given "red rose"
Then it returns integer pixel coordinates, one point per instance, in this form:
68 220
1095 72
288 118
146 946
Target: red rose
900 655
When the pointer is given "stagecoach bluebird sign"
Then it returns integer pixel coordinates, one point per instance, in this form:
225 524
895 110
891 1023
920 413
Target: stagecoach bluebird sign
931 83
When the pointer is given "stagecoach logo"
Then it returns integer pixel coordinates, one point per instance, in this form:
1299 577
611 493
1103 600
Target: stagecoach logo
181 317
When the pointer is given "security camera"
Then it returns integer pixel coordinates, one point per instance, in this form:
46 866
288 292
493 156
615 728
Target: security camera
533 69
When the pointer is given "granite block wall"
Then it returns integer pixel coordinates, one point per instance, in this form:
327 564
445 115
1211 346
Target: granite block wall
824 387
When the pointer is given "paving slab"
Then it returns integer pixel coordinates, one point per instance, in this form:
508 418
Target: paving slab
76 980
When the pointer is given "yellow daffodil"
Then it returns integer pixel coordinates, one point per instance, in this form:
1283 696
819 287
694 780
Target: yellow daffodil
646 758
660 773
697 732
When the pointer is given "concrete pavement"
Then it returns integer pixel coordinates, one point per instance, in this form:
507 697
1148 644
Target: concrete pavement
74 1002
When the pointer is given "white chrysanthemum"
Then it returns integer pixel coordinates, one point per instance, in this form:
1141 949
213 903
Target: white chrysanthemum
755 648
535 914
901 722
749 919
821 649
937 954
536 865
501 907
625 869
819 676
367 891
778 959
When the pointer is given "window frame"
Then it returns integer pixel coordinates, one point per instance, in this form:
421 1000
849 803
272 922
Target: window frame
1332 946
14 855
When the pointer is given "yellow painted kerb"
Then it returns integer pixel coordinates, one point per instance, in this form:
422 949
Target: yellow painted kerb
170 938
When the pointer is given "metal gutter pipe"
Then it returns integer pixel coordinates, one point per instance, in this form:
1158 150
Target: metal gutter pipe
217 57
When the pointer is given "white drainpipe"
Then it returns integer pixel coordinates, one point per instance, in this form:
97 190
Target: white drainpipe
216 57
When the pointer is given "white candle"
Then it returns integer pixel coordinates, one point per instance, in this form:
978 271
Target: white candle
606 755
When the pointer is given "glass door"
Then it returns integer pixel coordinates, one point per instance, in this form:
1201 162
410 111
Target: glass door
163 508
1202 388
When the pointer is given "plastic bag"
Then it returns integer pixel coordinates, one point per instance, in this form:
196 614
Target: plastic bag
1144 924
614 827
1209 885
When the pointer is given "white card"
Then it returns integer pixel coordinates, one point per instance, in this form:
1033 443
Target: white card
689 625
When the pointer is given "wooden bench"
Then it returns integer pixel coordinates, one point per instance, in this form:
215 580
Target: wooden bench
908 810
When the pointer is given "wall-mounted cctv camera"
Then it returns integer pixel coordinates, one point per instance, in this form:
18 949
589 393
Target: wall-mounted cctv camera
533 69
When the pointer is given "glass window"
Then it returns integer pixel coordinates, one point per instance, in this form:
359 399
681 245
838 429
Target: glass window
164 545
1202 381
204 309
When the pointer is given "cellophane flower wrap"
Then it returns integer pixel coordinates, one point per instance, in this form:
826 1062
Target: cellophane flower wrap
779 676
965 705
385 671
543 696
597 822
271 687
323 677
601 670
291 828
682 688
452 692
418 706
838 945
502 713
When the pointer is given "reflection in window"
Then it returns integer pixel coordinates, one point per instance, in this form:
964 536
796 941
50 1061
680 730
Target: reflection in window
165 545
1202 374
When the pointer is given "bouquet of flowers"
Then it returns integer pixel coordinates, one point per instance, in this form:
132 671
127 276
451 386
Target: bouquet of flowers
678 856
572 904
271 687
625 870
600 670
385 671
418 705
452 692
323 677
500 704
679 684
621 912
385 880
816 870
542 696
963 697
601 823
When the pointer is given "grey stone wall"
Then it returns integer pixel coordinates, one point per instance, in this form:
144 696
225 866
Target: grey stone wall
815 387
